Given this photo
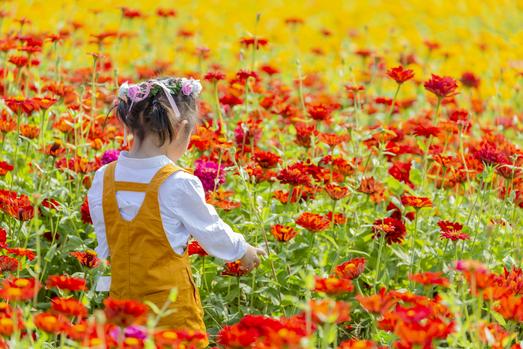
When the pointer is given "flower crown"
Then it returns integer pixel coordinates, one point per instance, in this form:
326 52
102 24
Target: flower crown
171 86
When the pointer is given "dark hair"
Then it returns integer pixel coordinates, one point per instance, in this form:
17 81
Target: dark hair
154 115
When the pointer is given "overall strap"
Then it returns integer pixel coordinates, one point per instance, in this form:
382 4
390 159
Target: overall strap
161 176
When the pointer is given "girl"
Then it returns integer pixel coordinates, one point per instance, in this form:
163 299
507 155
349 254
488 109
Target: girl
144 207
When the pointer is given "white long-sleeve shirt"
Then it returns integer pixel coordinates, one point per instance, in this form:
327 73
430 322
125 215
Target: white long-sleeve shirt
183 210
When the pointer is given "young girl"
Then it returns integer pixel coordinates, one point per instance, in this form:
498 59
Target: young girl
144 207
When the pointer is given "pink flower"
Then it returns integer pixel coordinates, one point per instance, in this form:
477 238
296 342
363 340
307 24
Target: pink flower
209 172
187 88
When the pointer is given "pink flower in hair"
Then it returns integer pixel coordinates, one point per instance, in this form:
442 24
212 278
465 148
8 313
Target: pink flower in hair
133 92
187 88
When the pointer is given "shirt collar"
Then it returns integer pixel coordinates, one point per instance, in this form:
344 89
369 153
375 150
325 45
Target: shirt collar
154 161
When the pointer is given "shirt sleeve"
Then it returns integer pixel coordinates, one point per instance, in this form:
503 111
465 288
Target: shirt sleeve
94 197
203 222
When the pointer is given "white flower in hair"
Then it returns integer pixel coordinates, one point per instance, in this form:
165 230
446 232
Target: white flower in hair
196 87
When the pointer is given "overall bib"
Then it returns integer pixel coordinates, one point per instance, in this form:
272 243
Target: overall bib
143 264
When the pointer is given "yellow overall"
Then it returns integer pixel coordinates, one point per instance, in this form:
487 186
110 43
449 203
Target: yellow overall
143 264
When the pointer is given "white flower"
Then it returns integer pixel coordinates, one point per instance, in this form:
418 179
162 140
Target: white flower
196 87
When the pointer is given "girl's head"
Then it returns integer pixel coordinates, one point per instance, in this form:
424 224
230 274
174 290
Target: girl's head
160 112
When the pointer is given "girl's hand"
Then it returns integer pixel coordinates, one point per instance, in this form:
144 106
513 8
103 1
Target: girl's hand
250 259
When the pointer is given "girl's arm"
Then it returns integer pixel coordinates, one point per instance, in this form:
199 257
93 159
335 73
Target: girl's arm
94 197
201 219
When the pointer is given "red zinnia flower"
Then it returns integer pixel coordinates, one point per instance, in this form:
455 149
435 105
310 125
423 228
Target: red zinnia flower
87 258
375 189
392 229
319 111
8 264
64 282
452 231
195 248
469 79
447 226
430 278
441 86
234 269
415 201
162 12
251 41
50 323
68 306
22 252
350 269
332 285
283 233
266 159
214 76
5 167
124 312
19 289
313 221
400 74
336 192
401 171
84 211
295 174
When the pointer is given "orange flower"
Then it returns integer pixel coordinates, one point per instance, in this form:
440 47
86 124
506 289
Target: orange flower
234 269
7 327
167 339
329 311
87 258
124 312
430 278
7 123
19 289
375 189
283 233
400 74
68 306
218 199
336 192
29 131
339 218
376 303
313 221
21 105
350 269
50 323
64 282
23 252
304 132
295 174
266 159
332 139
332 285
415 201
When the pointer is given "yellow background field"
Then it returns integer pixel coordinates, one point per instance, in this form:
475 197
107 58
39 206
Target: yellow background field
388 27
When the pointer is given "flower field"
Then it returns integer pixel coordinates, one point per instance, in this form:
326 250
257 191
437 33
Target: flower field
372 148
